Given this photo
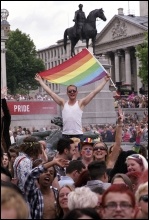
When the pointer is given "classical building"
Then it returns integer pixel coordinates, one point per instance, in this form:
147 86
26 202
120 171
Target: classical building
118 41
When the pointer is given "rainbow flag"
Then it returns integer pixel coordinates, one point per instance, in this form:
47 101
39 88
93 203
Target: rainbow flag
80 70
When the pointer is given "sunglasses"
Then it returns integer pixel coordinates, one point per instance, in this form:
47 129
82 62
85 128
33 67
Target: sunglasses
144 198
72 91
99 148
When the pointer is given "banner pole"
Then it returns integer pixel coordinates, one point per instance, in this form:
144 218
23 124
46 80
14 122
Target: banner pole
113 83
104 69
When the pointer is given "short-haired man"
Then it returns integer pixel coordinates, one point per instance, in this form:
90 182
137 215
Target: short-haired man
66 149
73 171
97 172
118 202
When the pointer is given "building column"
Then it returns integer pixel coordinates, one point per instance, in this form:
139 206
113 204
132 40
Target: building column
127 66
139 83
117 67
3 65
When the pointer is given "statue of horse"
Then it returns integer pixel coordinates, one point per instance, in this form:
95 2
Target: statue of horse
89 30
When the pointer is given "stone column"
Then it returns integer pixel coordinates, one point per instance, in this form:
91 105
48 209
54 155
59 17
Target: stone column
139 84
127 66
3 65
117 67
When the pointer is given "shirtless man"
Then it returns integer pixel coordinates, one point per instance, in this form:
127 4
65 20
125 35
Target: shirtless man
43 198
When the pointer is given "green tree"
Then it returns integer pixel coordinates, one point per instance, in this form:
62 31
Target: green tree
142 54
21 62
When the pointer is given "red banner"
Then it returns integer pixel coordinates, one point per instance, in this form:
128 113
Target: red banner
32 107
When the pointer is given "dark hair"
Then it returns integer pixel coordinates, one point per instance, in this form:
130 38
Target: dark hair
63 144
97 169
79 212
75 165
98 190
6 172
143 150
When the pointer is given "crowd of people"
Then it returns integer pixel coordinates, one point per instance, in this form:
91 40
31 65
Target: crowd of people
131 101
84 178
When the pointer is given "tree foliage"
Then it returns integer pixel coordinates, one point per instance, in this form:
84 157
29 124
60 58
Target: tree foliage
142 54
21 62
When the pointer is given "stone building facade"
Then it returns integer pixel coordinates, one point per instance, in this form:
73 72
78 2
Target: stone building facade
118 41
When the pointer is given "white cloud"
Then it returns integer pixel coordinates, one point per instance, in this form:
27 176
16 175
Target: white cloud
46 21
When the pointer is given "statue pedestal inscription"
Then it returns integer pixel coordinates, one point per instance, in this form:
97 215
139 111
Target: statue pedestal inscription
101 109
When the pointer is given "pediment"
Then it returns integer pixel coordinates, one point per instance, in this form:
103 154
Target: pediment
118 28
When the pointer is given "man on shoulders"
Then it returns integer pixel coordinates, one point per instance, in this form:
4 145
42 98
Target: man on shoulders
72 109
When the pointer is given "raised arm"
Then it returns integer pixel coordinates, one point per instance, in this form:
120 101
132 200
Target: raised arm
112 157
83 102
54 96
4 106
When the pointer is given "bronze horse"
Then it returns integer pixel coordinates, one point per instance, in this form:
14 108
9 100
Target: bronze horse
89 30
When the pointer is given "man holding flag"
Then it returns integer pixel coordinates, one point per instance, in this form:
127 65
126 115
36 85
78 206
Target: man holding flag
72 109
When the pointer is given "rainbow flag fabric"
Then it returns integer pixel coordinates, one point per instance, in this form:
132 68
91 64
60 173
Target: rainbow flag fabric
80 70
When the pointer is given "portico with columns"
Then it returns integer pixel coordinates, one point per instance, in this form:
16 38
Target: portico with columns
118 41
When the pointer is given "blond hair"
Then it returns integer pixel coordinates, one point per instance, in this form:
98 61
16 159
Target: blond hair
10 199
82 197
142 187
75 140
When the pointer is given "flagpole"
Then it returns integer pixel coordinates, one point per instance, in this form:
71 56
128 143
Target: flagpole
104 69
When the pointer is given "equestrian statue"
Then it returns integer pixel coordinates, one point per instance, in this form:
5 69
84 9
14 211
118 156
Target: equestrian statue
84 28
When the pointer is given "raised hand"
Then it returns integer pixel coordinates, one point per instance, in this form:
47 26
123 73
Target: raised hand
61 162
107 77
120 115
38 77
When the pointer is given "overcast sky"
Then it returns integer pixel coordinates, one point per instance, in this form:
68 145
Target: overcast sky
46 21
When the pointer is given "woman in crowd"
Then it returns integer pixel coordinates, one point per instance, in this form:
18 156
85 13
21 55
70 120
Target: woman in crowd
62 201
82 197
5 161
136 162
121 178
13 206
100 149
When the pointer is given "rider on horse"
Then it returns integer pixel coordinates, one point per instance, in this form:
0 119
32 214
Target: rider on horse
79 20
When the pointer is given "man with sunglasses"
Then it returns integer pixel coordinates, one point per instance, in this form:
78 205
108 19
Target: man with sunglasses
72 109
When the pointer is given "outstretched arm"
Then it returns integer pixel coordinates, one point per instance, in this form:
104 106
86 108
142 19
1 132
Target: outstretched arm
112 157
54 96
83 102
